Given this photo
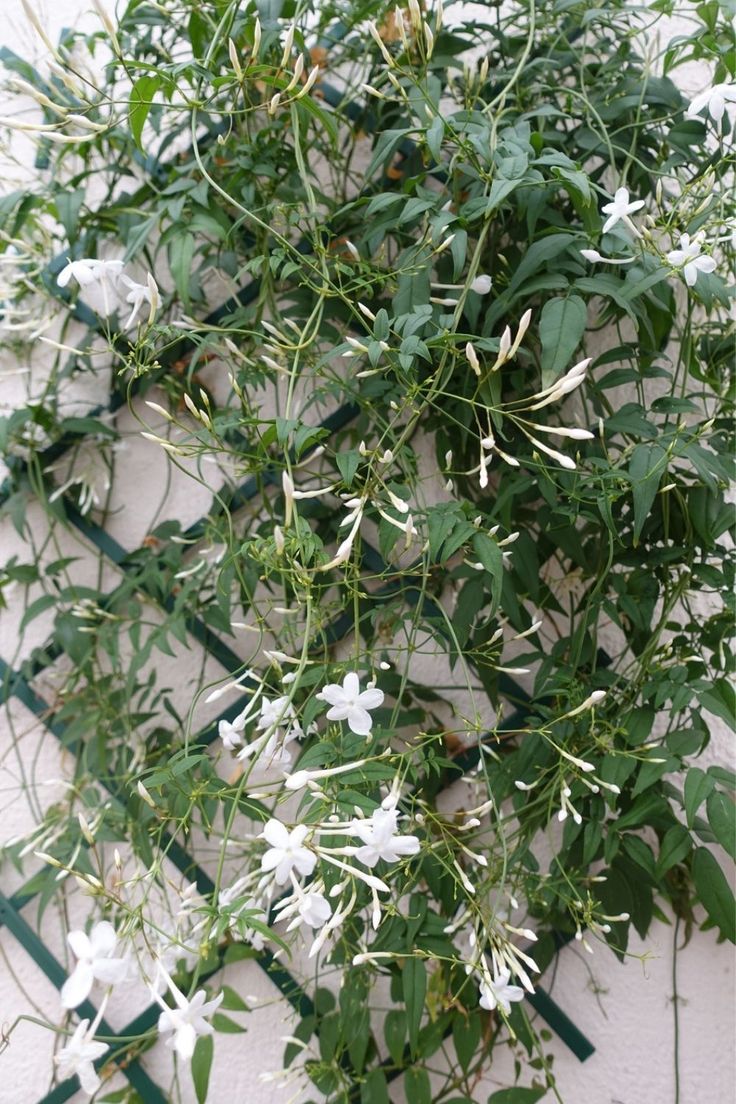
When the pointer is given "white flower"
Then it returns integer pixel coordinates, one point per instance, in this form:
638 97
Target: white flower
272 754
314 909
349 704
689 259
620 209
186 1020
379 835
231 732
78 1056
94 953
84 271
714 99
88 270
280 711
138 294
286 852
496 992
271 748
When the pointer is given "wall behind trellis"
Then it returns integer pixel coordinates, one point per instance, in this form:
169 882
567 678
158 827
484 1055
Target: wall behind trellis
625 1011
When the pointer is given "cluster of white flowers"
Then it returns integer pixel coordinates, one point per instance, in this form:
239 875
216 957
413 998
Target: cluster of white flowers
688 257
97 961
87 271
293 853
277 728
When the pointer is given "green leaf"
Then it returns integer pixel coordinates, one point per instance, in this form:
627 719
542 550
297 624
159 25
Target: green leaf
414 983
518 1095
491 557
140 104
647 466
466 1037
348 463
385 147
68 206
46 601
374 1089
714 892
722 819
546 249
434 136
232 1001
394 1031
202 1065
417 1087
198 34
181 254
719 699
227 1026
675 846
698 785
561 328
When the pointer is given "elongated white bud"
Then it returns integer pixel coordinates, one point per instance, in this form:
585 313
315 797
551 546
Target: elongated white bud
309 83
374 33
288 43
562 431
145 795
560 457
234 59
288 489
298 70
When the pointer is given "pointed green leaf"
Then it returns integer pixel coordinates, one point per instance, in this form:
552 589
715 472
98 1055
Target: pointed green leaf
561 328
647 466
202 1065
140 104
414 981
722 819
714 892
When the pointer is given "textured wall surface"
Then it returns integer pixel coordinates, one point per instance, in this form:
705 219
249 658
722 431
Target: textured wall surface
627 1011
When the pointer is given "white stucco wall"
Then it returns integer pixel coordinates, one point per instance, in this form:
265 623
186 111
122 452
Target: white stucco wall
626 1011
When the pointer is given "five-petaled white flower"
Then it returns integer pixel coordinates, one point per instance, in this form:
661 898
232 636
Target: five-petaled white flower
379 834
714 99
619 210
187 1019
496 992
349 704
77 1058
688 257
286 851
95 962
